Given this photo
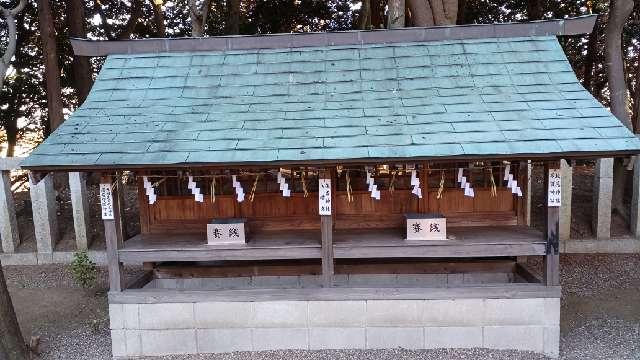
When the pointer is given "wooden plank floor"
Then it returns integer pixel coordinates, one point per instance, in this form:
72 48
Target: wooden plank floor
463 242
372 243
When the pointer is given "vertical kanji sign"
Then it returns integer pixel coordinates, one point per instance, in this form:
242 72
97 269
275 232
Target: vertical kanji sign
554 189
106 201
324 196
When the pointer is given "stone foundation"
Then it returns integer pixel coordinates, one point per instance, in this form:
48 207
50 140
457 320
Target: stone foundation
148 329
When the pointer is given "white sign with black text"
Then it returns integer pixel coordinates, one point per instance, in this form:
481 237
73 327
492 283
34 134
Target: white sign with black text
106 201
324 196
554 194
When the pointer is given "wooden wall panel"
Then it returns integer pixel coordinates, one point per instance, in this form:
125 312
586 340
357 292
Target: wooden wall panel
271 211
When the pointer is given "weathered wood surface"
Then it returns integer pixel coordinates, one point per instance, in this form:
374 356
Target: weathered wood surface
512 291
271 211
327 250
346 266
193 247
551 269
469 242
114 243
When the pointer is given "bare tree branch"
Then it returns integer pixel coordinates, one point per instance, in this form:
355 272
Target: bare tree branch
10 16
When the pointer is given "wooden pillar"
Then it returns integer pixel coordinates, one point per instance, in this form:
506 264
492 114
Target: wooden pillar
326 230
80 208
120 215
112 232
551 270
8 222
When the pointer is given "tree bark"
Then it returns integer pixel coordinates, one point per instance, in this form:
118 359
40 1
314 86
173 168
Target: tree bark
395 14
433 12
158 19
135 11
198 15
233 24
619 11
534 10
590 59
618 14
10 17
462 12
376 18
636 100
81 68
12 345
364 20
51 66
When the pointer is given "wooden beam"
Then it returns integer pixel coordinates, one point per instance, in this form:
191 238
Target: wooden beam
569 26
326 231
113 237
119 209
508 291
551 270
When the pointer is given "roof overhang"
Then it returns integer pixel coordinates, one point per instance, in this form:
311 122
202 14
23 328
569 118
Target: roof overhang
569 26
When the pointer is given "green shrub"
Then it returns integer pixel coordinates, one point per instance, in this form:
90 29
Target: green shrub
84 271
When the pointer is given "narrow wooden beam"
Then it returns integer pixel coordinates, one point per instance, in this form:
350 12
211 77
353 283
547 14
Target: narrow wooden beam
143 204
119 207
326 230
551 270
112 236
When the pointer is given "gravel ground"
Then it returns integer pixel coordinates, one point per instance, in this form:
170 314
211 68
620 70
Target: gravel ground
600 316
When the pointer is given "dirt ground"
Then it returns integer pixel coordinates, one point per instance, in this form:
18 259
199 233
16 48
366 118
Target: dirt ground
600 316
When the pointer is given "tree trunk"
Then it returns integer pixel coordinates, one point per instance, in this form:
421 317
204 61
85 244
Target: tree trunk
376 18
421 13
158 19
9 16
462 12
233 24
619 11
81 68
364 20
636 101
534 10
51 66
198 17
433 12
590 59
618 14
11 128
12 345
395 14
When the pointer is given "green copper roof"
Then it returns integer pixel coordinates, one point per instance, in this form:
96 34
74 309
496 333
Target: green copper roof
502 97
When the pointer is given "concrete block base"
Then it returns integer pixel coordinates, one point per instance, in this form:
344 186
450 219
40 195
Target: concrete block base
152 329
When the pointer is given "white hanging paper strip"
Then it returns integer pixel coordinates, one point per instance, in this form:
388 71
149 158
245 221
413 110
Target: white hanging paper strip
460 174
510 181
514 187
152 199
150 191
369 178
145 182
507 170
519 191
279 177
199 197
419 193
234 181
463 182
414 179
195 191
466 190
191 183
283 185
286 193
241 197
473 193
376 194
